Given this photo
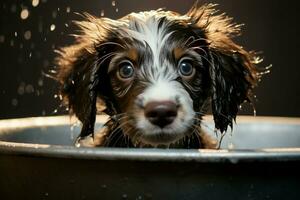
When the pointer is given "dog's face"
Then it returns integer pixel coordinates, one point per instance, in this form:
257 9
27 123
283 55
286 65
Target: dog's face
157 76
155 71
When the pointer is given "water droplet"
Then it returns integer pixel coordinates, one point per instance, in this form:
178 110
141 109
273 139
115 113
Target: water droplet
52 71
13 8
68 9
58 9
14 102
54 14
40 82
12 43
29 89
24 14
230 145
113 3
254 112
52 27
55 111
35 3
21 89
66 25
16 34
30 54
55 96
2 38
102 13
117 9
27 35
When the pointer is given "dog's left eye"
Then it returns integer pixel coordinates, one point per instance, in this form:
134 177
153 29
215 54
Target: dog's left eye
126 70
186 67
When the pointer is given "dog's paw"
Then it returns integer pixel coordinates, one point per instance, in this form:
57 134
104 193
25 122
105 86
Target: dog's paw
93 141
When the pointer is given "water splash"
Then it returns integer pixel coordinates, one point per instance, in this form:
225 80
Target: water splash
35 3
12 43
14 102
102 13
52 27
54 14
74 124
24 14
27 35
68 9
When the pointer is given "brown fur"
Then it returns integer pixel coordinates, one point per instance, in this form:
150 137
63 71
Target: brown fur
232 73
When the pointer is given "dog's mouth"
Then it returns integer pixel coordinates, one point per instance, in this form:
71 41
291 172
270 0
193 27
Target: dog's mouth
154 135
160 137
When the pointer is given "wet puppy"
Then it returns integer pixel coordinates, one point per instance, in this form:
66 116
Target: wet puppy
154 73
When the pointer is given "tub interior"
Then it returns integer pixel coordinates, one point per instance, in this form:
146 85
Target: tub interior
247 133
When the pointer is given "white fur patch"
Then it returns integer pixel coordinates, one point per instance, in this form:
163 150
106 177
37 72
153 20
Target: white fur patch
167 91
162 85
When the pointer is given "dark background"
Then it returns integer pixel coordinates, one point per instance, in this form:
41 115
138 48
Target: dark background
271 27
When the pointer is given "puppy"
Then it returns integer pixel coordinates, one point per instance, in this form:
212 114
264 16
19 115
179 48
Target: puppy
154 73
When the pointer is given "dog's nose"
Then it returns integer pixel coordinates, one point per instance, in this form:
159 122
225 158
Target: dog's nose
161 113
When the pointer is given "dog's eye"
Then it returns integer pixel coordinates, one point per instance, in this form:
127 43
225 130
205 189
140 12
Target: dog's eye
126 70
186 68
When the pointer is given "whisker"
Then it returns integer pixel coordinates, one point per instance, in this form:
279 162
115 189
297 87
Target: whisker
221 139
200 113
103 58
117 140
195 40
113 43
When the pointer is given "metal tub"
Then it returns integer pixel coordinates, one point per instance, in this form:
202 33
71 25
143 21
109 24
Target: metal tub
38 161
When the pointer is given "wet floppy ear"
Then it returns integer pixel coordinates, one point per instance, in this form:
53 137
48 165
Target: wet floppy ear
232 70
232 81
82 75
79 81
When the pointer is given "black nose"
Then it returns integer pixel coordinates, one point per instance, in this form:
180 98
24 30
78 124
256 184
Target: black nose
161 113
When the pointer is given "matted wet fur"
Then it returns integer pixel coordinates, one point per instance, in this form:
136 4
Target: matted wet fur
183 62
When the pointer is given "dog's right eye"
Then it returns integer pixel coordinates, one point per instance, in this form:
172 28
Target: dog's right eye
126 70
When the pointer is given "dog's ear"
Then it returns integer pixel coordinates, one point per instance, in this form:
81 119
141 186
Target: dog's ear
232 80
232 70
82 72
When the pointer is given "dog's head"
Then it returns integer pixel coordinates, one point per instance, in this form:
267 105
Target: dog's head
155 71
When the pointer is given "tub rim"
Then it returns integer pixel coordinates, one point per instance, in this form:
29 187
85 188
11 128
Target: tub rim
151 155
